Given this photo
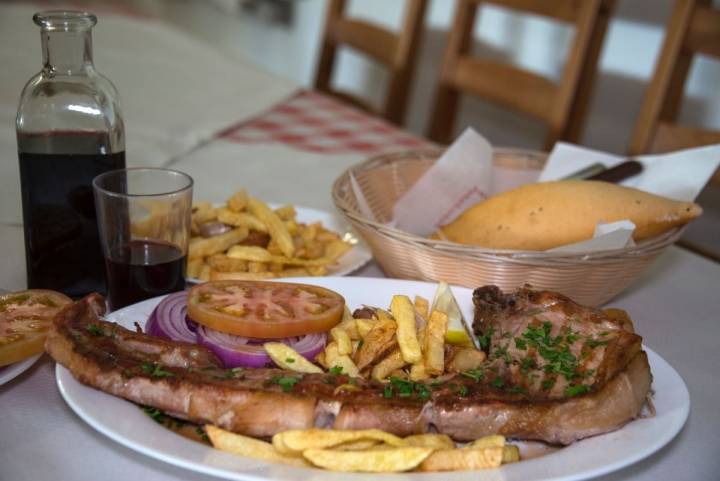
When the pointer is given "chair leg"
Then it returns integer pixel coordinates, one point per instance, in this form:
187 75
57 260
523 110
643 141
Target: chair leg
442 120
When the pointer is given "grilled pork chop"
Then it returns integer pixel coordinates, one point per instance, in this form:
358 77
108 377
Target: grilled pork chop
187 381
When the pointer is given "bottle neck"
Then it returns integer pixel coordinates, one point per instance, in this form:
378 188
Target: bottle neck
67 52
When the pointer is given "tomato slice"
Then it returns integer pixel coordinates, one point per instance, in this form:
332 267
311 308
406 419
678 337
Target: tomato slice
25 317
267 310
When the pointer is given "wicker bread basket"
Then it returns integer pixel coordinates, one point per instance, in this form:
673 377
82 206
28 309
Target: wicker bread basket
588 278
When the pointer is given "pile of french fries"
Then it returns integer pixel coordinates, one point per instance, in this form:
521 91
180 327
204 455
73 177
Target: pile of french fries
407 342
292 249
368 450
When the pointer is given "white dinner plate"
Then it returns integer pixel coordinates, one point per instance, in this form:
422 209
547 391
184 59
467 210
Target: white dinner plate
125 423
349 262
10 372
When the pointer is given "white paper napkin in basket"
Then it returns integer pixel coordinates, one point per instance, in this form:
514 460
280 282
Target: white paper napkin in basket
464 175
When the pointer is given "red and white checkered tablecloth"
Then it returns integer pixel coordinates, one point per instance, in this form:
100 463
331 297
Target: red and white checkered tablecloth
314 122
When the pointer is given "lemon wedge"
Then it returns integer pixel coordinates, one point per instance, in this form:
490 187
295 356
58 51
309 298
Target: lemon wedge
457 334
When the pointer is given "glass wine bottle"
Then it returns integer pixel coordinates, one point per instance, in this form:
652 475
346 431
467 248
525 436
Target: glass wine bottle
69 129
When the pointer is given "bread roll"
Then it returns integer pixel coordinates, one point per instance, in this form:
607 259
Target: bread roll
544 215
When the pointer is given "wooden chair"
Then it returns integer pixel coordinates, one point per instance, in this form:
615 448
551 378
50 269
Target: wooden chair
397 52
560 105
694 28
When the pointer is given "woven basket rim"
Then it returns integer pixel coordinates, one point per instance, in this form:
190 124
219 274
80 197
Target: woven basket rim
646 247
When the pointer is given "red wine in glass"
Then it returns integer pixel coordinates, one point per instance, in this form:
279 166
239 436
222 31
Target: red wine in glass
142 269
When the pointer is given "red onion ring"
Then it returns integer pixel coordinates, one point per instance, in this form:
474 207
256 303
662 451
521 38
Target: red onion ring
169 319
237 351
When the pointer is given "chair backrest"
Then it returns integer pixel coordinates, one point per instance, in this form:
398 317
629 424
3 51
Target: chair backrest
561 105
396 51
694 28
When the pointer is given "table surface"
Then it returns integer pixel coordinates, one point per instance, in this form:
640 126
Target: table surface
675 306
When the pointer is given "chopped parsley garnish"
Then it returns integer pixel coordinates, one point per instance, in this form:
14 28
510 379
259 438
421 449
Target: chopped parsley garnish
285 382
289 360
161 418
476 374
571 391
203 435
557 354
502 352
498 383
463 391
406 388
155 370
527 364
94 330
484 340
155 414
335 370
593 343
360 343
517 390
520 344
548 383
231 373
388 391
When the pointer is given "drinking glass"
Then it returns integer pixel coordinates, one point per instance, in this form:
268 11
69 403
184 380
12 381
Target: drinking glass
144 221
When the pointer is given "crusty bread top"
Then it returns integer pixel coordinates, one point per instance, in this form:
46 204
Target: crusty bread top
545 215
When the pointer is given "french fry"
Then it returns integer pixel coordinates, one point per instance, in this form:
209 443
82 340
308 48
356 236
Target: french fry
317 270
463 459
331 353
237 276
492 441
295 261
286 212
511 454
422 306
216 244
346 365
240 219
370 461
363 326
276 227
294 272
223 263
194 266
360 445
377 343
343 340
389 364
250 253
434 349
435 441
295 441
288 358
257 267
238 201
203 212
418 372
404 314
336 248
205 273
247 446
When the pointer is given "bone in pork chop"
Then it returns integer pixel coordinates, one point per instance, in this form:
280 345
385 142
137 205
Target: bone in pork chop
187 381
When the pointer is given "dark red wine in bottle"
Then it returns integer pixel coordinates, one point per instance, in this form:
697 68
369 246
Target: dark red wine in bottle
61 233
142 269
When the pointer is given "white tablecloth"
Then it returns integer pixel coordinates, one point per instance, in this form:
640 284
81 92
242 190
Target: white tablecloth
674 305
